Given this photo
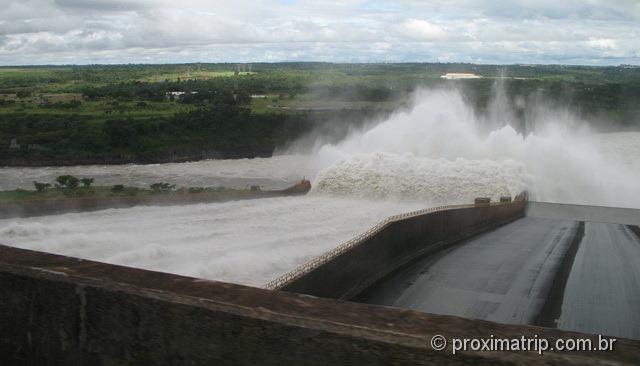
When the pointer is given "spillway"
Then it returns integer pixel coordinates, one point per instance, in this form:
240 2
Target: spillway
248 242
503 275
603 289
515 273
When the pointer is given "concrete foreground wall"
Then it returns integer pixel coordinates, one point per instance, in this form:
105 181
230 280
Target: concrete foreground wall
346 275
57 310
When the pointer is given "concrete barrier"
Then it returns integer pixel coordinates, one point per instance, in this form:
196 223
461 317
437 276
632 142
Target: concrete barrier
482 201
348 270
57 310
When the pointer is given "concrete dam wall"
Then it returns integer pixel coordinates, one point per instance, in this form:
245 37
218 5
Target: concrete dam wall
57 310
348 270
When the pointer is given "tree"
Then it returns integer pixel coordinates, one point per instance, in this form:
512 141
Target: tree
41 187
162 187
67 181
73 182
86 182
23 94
122 133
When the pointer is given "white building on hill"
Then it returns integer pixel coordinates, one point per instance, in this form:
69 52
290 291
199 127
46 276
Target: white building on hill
460 75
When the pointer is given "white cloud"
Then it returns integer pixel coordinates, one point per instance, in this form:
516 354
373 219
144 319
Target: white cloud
545 31
422 29
603 43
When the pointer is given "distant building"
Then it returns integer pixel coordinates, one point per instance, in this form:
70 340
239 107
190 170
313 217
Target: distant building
14 144
460 75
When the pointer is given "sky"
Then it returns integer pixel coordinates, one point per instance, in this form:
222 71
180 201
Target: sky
587 32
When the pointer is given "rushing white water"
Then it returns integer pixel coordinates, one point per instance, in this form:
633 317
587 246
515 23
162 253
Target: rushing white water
440 152
439 181
249 242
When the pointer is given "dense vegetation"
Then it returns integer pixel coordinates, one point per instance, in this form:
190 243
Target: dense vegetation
69 186
149 113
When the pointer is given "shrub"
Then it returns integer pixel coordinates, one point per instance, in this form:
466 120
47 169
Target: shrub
67 181
117 188
41 187
162 187
23 94
86 182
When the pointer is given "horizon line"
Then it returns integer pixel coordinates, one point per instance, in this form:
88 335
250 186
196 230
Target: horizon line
315 62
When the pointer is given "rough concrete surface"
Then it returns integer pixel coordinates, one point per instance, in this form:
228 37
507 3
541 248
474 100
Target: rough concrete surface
59 310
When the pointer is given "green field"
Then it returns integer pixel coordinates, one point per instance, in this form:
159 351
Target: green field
191 75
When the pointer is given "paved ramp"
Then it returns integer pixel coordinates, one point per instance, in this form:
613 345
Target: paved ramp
603 291
504 275
539 267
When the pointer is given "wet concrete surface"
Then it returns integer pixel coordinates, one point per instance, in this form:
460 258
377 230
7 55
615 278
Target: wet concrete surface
603 290
507 275
504 275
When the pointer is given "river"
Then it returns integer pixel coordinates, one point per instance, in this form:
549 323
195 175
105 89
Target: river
432 155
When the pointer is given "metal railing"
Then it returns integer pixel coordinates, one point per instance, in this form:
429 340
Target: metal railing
348 245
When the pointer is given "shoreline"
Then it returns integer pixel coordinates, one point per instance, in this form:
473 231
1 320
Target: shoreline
62 205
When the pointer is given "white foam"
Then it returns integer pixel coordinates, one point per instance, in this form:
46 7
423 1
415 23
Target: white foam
441 151
438 181
249 242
